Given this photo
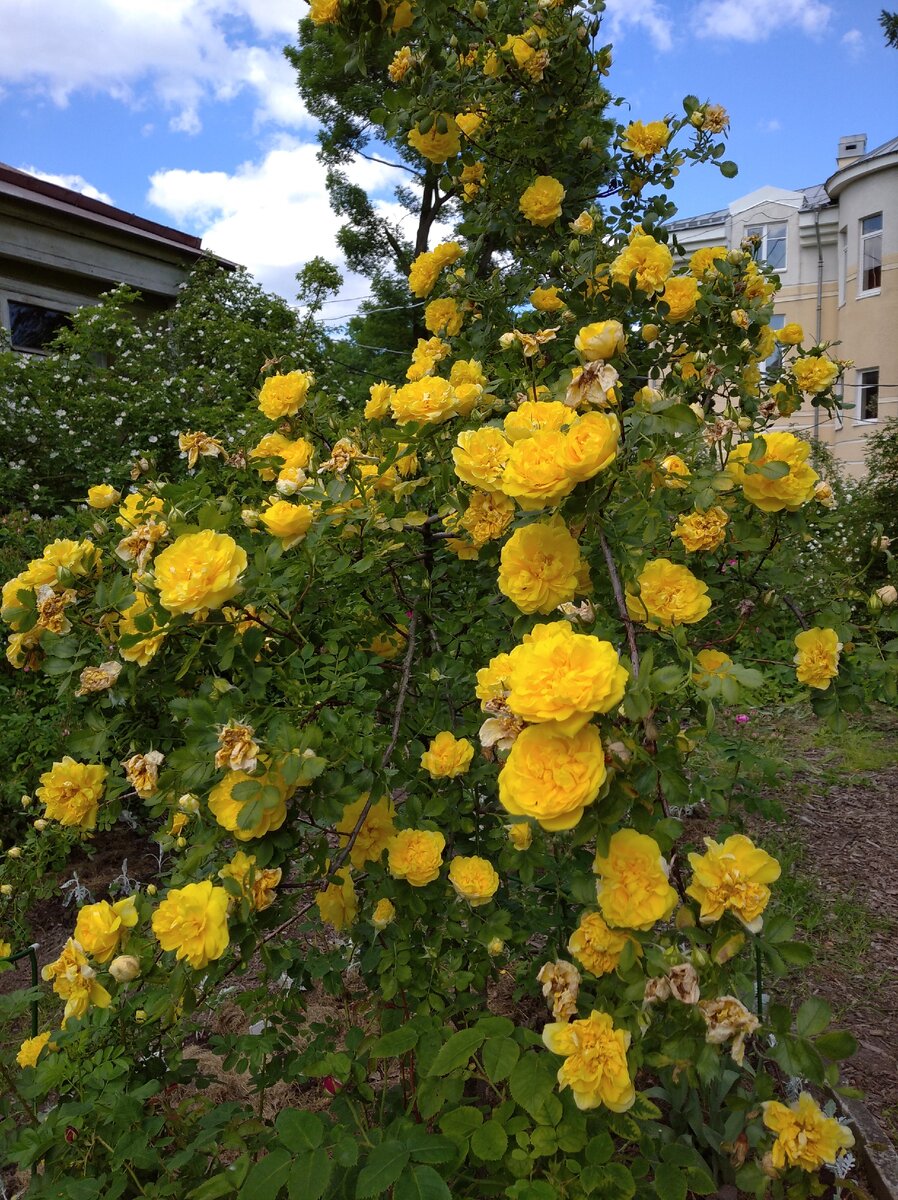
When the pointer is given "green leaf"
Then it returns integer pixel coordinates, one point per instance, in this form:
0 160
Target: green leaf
611 1181
391 1045
461 1122
500 1055
299 1130
384 1166
268 1176
600 1148
421 1183
728 169
813 1017
490 1141
531 1081
457 1051
799 954
310 1176
427 1147
214 1188
670 1182
837 1044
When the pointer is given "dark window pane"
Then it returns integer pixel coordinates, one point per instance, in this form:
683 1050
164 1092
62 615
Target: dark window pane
871 224
872 265
33 327
869 395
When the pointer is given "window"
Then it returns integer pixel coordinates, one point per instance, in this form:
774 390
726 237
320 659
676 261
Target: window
32 327
843 262
777 321
868 394
870 275
771 247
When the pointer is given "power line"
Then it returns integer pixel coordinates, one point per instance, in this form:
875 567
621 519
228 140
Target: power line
371 311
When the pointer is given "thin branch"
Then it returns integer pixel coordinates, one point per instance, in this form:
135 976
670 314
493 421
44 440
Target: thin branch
795 610
621 603
386 163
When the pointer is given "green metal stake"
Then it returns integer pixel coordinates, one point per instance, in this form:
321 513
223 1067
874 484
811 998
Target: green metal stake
29 953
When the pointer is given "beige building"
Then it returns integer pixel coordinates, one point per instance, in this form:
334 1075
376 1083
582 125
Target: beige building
835 249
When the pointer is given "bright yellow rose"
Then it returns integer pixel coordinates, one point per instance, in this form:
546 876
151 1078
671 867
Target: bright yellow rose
480 456
551 776
541 202
817 660
669 594
805 1136
601 340
487 516
814 374
427 401
732 877
440 315
147 643
257 886
651 262
474 879
283 395
787 491
416 855
71 792
520 835
30 1050
75 981
384 914
288 522
102 495
492 681
591 445
427 266
791 334
633 889
101 928
595 1061
702 530
375 833
403 16
470 122
193 921
546 299
541 567
537 416
324 12
675 470
645 141
447 756
226 808
436 147
563 677
595 946
379 405
198 571
137 508
535 474
702 261
712 664
680 295
338 904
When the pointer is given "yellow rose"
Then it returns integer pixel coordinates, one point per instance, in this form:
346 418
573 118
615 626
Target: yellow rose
338 904
814 374
791 334
552 777
193 921
71 792
440 315
102 495
817 660
669 595
633 889
644 141
675 470
257 886
584 224
375 832
595 946
75 981
427 401
474 879
480 456
725 1018
595 1061
520 835
487 516
702 261
470 122
591 445
283 395
732 877
426 268
125 968
416 855
379 405
711 663
288 522
546 299
199 570
226 808
541 201
805 1136
447 756
680 295
787 491
142 772
537 416
541 567
137 508
535 474
436 147
492 681
601 340
702 530
563 677
30 1050
101 928
324 12
384 914
144 644
403 16
651 262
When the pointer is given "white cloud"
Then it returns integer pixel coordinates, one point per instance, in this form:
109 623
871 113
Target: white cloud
774 125
853 41
756 20
179 52
647 15
77 183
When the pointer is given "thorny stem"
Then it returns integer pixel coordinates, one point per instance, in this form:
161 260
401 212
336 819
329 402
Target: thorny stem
618 590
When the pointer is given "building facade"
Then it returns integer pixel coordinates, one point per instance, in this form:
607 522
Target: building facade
835 249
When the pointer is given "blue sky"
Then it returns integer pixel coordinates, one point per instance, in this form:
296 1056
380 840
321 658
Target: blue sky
186 112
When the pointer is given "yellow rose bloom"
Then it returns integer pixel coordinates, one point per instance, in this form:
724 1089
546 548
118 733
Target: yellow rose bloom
30 1050
591 445
595 946
102 495
426 268
487 516
680 295
288 522
702 261
75 981
732 877
226 808
537 416
428 401
633 889
258 886
403 16
142 650
791 334
338 904
193 921
551 776
563 677
283 395
137 508
535 474
541 201
651 262
492 681
199 570
702 530
71 792
676 470
601 340
101 928
416 855
375 833
379 405
384 914
787 491
470 122
541 567
443 315
817 660
669 595
814 374
480 456
711 664
595 1061
474 879
726 1018
447 756
5 949
546 299
324 12
520 835
805 1136
645 141
436 147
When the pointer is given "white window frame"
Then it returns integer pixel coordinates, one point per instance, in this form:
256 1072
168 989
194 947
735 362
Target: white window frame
863 238
775 358
763 226
842 265
861 388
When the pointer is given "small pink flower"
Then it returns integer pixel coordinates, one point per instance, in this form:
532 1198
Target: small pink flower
331 1085
742 719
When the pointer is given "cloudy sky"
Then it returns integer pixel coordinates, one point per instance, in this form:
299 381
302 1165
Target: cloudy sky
186 111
